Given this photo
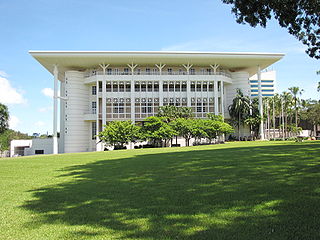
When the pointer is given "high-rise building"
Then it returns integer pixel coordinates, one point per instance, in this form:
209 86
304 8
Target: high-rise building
268 82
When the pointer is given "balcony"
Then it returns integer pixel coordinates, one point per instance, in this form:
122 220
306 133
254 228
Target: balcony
90 115
125 73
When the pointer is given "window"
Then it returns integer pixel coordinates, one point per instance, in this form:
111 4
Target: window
165 87
199 108
156 88
204 87
118 108
198 87
210 87
184 87
209 71
143 87
169 71
171 87
193 87
115 87
126 71
94 90
100 86
192 71
94 107
121 88
93 130
128 87
148 71
149 87
177 87
38 151
137 87
108 88
109 71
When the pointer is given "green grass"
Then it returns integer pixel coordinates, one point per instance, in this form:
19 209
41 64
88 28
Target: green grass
246 190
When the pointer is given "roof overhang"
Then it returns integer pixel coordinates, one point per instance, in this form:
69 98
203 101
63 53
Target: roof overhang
82 60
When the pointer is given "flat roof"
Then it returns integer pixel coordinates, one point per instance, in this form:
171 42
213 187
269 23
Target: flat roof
82 60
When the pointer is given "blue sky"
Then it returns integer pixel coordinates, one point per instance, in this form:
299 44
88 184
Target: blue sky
203 25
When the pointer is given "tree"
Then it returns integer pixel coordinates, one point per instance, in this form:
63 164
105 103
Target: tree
157 130
8 135
295 91
239 109
300 17
4 118
171 112
185 128
118 133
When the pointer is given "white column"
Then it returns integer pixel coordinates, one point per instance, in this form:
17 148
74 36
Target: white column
132 67
216 103
187 67
222 98
215 89
55 110
97 118
104 95
160 67
261 132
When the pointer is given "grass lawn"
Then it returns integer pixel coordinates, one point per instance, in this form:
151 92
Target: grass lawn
245 190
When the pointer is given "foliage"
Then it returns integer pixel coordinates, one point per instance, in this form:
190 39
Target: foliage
239 110
118 133
185 128
8 135
300 17
4 118
157 130
171 112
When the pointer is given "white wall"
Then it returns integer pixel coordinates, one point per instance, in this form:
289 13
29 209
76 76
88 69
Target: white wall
76 129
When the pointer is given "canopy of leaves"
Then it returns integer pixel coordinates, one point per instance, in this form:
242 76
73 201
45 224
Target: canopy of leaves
300 17
118 133
4 118
171 112
157 129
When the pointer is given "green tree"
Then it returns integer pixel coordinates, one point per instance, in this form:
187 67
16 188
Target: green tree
4 118
300 17
8 135
215 128
295 91
157 130
239 109
118 133
185 128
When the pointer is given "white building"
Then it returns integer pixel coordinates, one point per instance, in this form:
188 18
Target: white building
268 84
98 87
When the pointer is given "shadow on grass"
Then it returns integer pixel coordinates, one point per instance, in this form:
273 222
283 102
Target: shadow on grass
268 192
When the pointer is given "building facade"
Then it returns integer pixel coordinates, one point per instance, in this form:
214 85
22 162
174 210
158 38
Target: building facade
99 87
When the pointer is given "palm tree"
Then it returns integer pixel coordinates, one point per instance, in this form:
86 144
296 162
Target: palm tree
295 91
287 101
239 109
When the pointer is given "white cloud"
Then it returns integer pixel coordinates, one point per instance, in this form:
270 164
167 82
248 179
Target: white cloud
8 94
39 124
13 122
3 74
47 92
45 109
